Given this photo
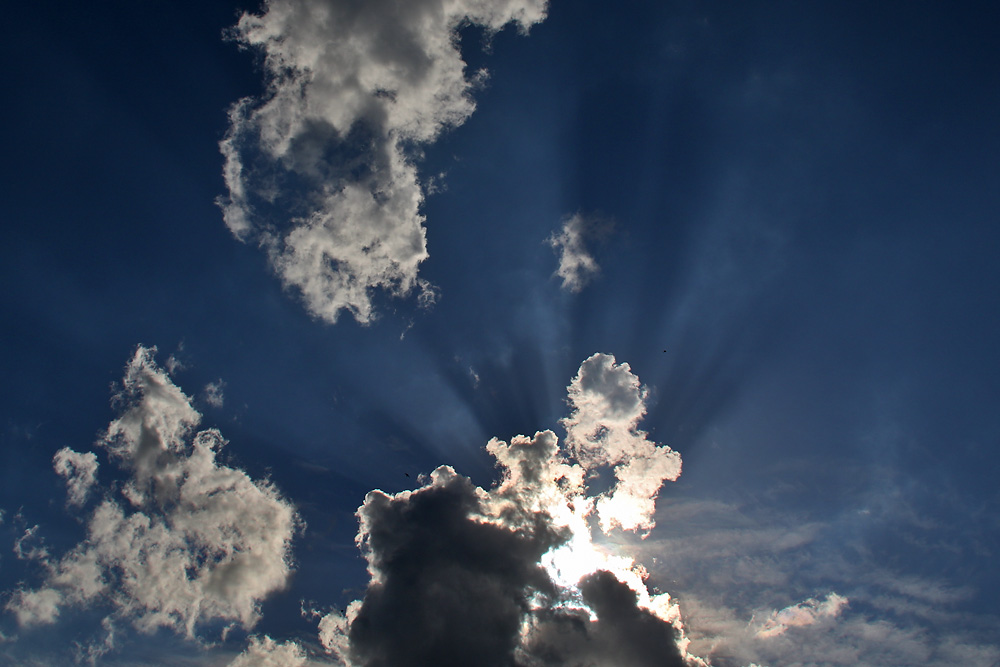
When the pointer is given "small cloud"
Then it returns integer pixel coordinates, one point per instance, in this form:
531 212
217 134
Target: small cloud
802 614
30 546
576 264
213 394
80 472
173 364
265 652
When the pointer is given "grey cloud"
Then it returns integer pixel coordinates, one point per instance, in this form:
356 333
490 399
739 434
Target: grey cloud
448 588
321 171
623 634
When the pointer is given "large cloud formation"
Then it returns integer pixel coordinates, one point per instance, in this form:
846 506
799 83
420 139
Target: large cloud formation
461 575
184 541
320 172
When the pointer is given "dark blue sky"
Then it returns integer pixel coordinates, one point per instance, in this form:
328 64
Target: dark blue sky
801 269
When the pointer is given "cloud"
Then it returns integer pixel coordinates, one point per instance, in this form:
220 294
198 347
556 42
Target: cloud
213 393
80 471
576 265
183 541
321 171
602 430
265 652
511 575
802 614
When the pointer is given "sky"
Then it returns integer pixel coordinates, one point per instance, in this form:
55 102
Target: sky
500 332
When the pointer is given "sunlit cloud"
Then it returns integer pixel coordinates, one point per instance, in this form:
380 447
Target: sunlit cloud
512 574
802 614
182 542
321 171
265 652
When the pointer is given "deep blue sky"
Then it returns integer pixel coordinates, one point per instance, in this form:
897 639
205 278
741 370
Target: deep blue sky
802 269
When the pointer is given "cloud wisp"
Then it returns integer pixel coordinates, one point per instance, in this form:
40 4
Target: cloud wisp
802 614
577 266
184 542
512 575
321 171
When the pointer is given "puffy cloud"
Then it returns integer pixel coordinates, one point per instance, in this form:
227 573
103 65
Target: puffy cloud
320 172
576 265
190 541
602 431
802 614
80 471
511 575
448 585
265 652
624 633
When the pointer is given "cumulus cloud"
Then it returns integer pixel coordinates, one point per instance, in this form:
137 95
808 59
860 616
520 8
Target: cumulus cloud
321 171
602 431
511 575
576 264
265 652
184 541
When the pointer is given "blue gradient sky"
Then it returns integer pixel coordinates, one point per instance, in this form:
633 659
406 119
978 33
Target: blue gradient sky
802 269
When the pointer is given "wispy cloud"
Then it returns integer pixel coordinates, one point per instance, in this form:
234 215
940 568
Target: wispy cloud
577 265
80 471
214 393
321 171
802 614
185 541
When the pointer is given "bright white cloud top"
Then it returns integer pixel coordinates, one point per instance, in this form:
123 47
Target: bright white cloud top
184 542
321 171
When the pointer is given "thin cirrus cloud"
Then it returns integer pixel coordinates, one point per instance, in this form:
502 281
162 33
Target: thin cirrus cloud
184 541
511 575
321 170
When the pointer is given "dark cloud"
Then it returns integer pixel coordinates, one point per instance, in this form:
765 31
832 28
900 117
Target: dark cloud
622 635
448 588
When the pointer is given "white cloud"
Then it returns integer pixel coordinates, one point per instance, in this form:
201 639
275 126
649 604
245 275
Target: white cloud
602 430
265 652
802 614
354 89
576 265
80 471
190 540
